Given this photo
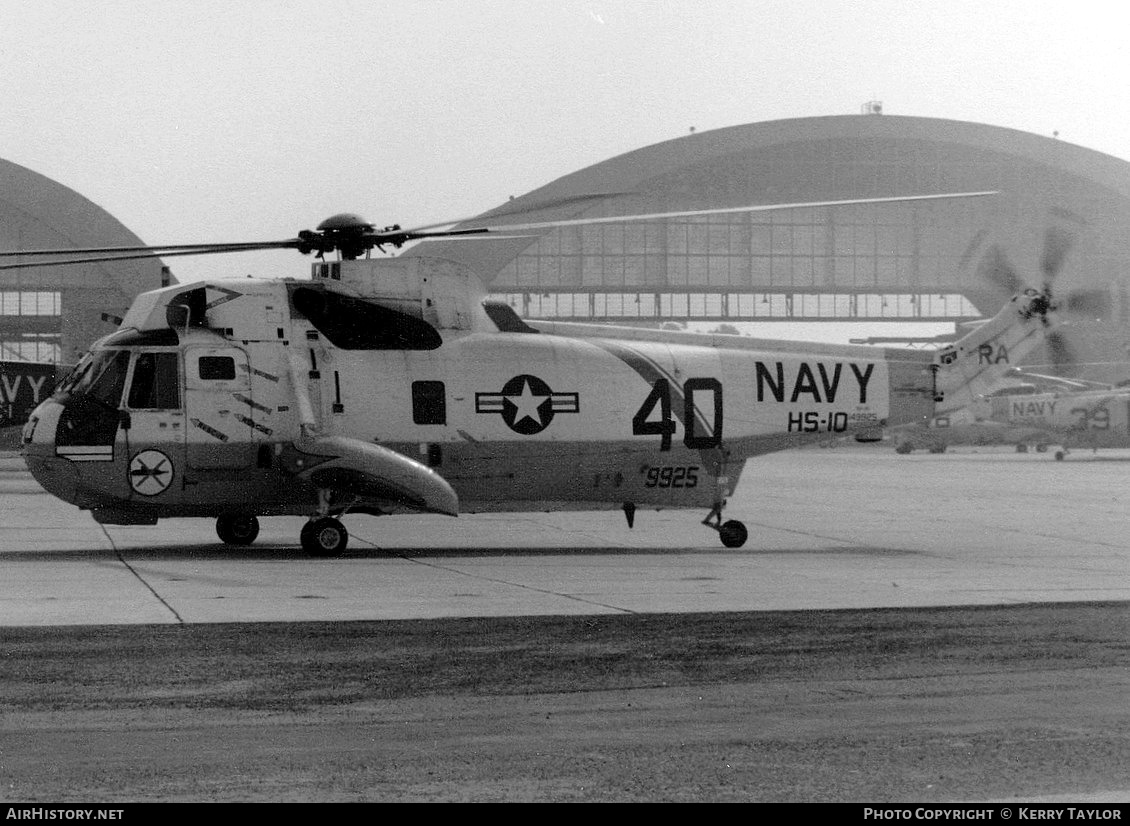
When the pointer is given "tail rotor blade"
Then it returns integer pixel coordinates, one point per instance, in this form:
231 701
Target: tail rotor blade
1057 244
1092 303
1060 352
998 270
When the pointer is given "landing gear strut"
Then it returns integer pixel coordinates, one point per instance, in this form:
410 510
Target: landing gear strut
237 528
732 532
324 536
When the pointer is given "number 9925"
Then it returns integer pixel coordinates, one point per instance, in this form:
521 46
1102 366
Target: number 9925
671 477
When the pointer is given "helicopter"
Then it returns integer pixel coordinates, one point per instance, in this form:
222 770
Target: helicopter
388 385
1027 407
1053 413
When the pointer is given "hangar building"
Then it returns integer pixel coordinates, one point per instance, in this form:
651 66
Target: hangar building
922 261
52 314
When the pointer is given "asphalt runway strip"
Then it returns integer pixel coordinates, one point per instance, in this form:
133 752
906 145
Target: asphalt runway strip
936 704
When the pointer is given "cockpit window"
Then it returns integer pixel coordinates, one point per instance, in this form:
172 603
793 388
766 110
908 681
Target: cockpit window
155 384
103 377
76 374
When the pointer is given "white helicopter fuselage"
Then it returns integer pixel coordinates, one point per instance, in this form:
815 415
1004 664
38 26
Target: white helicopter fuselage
330 396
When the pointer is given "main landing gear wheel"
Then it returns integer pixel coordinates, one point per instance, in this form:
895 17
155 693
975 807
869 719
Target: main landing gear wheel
324 537
237 529
733 534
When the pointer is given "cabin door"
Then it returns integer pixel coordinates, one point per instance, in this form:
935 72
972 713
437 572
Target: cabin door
219 409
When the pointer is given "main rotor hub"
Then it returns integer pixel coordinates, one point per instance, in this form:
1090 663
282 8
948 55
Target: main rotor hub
345 222
346 232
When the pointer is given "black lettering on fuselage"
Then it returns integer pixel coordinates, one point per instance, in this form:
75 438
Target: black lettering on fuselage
863 379
986 354
1030 409
771 378
805 383
777 388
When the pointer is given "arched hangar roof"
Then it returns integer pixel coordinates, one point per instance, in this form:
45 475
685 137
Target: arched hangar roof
39 213
1039 179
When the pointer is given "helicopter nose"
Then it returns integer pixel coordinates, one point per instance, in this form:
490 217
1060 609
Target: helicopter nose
38 434
56 476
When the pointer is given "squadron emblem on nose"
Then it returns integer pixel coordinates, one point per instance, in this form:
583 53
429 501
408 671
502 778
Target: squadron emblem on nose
527 404
150 472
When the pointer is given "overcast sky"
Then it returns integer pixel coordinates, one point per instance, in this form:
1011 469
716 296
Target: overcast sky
232 121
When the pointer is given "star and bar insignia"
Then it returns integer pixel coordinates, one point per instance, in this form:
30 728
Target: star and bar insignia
526 404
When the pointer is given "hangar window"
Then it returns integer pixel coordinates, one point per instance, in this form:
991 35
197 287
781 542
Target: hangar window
30 324
43 348
29 303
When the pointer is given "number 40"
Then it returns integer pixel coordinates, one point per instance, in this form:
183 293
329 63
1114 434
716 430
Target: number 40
660 396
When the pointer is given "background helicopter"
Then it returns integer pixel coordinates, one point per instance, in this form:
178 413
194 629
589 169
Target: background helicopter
1026 407
1051 412
386 386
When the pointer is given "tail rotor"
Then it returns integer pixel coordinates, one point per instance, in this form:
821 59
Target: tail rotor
997 270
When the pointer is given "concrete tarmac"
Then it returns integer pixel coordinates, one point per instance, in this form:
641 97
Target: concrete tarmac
846 527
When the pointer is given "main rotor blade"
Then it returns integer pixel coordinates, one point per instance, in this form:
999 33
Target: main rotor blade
421 232
474 237
151 249
156 253
354 237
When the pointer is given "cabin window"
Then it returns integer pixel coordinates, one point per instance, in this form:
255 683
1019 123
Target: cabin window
156 384
356 324
429 405
217 368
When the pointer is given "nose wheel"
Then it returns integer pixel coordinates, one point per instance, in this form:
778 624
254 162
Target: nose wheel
323 537
733 533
